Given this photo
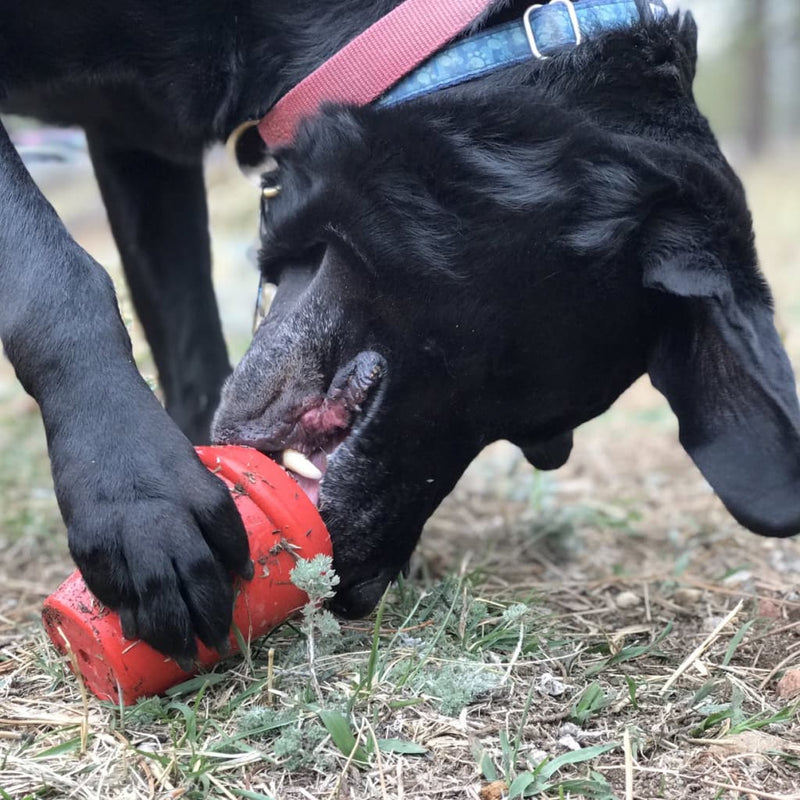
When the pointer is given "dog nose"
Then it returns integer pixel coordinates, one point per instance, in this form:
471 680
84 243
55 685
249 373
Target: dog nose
356 600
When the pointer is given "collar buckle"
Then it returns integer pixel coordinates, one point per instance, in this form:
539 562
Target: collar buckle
573 19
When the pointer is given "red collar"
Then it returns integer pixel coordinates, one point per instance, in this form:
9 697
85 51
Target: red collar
372 62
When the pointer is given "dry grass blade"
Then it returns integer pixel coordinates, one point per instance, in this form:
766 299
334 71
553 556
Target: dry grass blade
626 743
73 659
702 647
747 791
795 652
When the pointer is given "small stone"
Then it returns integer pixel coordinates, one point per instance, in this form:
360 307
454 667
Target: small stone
738 578
628 600
550 685
687 597
570 729
535 757
769 609
570 742
789 685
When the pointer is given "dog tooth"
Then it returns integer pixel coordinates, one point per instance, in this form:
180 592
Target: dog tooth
295 461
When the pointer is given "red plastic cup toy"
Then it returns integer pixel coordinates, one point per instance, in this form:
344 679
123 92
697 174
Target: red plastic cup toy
282 525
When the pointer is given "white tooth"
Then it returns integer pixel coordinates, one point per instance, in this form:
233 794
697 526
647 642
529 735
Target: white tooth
295 461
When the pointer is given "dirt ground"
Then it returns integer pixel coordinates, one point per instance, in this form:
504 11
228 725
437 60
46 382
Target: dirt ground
622 543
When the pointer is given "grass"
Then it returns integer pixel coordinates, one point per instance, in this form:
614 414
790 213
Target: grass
442 691
526 656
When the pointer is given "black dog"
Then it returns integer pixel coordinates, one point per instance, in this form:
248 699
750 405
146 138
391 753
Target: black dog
498 260
501 259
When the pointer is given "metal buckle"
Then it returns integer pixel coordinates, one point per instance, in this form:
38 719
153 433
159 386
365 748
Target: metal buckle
573 18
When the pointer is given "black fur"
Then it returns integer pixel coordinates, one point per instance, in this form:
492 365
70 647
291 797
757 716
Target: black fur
501 259
518 250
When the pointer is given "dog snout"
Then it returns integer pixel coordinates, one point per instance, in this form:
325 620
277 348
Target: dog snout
357 597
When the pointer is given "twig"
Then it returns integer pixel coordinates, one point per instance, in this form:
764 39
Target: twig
335 792
55 721
515 655
311 650
270 675
219 786
747 791
714 589
702 647
780 665
626 744
388 631
379 760
783 629
148 774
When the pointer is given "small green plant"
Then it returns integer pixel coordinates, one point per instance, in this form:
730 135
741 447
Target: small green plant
538 781
263 722
455 685
632 652
297 745
592 700
316 577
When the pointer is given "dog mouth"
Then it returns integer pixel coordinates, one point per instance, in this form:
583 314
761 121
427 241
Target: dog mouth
324 424
308 468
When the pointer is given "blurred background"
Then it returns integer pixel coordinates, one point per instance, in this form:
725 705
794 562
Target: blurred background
750 67
627 461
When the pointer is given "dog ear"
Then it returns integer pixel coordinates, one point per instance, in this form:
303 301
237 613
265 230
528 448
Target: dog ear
719 362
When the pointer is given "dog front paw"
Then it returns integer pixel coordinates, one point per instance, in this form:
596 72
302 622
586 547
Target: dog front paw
157 538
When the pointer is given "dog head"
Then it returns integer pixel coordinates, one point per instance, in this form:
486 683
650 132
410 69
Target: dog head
501 260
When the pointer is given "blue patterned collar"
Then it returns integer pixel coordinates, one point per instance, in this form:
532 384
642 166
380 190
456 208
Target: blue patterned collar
542 31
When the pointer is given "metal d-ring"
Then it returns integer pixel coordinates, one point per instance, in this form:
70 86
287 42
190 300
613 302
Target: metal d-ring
573 19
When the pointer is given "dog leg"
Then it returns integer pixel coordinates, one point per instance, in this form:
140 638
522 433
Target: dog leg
157 210
153 532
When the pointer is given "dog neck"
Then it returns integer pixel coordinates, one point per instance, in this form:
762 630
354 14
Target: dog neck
508 35
281 47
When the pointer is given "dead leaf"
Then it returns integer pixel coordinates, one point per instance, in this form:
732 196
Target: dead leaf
493 791
789 685
753 742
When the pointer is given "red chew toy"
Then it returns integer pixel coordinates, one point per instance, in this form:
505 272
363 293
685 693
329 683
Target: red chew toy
282 525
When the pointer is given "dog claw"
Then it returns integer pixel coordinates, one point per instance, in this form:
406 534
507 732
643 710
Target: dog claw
186 664
128 622
224 647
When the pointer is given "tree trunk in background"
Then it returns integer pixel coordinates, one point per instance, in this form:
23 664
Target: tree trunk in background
794 76
756 94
